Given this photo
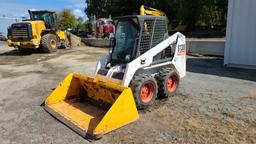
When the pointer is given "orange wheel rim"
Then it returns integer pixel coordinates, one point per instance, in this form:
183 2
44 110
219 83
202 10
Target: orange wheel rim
147 92
171 83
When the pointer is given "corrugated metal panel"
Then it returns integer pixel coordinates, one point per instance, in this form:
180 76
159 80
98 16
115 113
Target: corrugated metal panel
240 47
5 23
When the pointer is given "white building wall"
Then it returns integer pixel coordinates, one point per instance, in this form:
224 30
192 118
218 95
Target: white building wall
240 49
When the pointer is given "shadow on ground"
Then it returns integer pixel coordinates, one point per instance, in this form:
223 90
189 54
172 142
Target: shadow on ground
16 52
214 66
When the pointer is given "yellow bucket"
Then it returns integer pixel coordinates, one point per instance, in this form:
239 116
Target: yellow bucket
90 106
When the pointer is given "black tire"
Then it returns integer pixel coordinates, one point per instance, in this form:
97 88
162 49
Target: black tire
138 84
49 43
165 87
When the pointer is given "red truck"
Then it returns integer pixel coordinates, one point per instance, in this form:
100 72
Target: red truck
104 27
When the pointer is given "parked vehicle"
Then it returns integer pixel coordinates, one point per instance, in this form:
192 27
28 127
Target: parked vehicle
104 27
40 31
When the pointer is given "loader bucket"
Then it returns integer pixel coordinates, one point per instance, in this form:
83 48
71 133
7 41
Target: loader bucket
90 106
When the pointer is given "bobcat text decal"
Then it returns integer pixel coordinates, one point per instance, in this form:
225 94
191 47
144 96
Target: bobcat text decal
181 50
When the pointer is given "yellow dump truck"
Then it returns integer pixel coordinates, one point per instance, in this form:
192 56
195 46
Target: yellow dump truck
40 31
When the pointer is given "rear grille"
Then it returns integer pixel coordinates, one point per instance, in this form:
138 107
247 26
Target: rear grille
159 32
146 36
153 33
21 31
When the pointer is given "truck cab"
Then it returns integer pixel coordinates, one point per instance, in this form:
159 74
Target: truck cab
104 27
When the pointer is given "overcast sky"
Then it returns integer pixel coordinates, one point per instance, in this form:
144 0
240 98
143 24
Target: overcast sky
19 8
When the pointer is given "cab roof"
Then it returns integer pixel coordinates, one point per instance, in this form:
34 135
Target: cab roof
40 11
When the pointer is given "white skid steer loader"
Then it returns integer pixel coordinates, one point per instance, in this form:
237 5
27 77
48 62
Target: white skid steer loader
144 64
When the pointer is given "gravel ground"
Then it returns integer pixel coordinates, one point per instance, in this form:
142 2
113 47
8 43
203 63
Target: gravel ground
213 105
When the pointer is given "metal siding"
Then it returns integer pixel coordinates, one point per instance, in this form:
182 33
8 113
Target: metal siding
241 33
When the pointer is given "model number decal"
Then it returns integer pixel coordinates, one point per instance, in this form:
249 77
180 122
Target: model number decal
181 49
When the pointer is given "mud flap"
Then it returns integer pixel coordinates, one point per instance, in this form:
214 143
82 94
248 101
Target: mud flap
90 106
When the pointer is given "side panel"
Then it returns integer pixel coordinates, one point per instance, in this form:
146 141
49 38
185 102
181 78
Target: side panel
122 112
37 28
179 60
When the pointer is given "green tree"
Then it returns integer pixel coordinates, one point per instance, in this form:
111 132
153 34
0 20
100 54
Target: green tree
66 19
80 24
98 8
211 13
190 12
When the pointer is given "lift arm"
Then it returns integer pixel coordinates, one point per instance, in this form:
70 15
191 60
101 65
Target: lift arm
146 59
150 11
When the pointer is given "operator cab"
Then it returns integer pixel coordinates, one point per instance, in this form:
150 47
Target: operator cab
126 36
135 35
48 17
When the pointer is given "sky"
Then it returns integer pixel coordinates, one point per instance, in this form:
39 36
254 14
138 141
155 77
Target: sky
19 8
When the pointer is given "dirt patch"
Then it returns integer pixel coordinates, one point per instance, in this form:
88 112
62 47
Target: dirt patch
13 74
251 97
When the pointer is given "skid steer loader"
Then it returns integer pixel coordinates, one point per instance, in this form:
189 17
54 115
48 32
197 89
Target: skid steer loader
145 63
